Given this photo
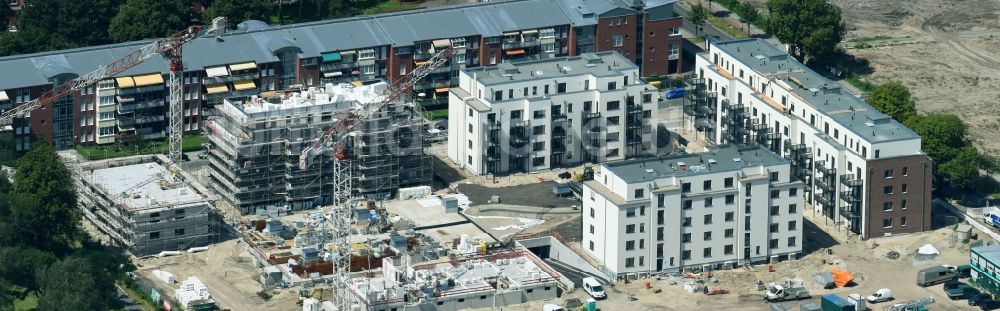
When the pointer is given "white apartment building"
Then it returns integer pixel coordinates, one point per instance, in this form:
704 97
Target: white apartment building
862 170
722 208
536 115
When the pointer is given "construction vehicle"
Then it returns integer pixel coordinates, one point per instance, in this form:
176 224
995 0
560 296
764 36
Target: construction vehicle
913 305
956 290
936 274
169 48
779 292
336 139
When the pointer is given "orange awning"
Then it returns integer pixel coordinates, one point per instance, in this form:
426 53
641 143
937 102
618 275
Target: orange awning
515 52
441 90
421 63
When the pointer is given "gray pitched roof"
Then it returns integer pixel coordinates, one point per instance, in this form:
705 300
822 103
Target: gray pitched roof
254 41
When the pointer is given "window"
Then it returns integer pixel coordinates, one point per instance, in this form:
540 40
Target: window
154 235
639 193
792 209
104 116
591 229
630 262
730 199
642 243
707 236
730 216
775 194
616 40
369 53
729 233
538 130
793 192
774 228
561 88
877 153
773 243
510 95
728 182
470 146
905 169
613 105
630 228
791 241
534 90
888 173
538 146
660 198
887 223
613 121
792 225
902 188
107 100
774 176
179 231
659 217
612 86
402 69
630 212
498 95
886 206
748 188
902 204
708 202
774 211
591 212
546 89
629 245
887 190
591 245
902 221
686 187
685 255
687 204
368 69
459 58
686 222
686 238
538 161
707 185
708 219
707 252
727 250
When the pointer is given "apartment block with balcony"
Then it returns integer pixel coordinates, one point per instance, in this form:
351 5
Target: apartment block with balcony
141 109
543 114
727 207
848 154
257 58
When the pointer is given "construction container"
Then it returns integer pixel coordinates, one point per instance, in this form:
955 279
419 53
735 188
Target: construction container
810 307
450 204
835 303
779 307
591 304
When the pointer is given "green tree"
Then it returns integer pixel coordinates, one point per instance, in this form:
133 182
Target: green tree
5 11
698 17
42 209
962 170
74 284
747 14
20 264
811 27
61 24
239 10
893 99
145 19
941 135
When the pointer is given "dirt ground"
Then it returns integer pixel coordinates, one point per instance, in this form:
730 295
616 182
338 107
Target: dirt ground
946 51
228 272
866 260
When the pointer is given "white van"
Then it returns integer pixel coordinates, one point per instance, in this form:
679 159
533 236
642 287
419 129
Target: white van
594 288
880 295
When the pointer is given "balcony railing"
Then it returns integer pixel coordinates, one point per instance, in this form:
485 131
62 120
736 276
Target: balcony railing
518 44
230 78
327 67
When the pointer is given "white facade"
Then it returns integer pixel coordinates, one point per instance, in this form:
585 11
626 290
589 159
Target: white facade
839 134
696 211
537 115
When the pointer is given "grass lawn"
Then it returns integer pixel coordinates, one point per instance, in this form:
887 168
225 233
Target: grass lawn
859 83
730 29
30 302
391 6
97 152
438 114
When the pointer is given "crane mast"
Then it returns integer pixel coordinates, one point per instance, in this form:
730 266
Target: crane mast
169 47
335 139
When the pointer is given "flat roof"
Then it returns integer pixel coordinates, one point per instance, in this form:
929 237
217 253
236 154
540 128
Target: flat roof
144 185
725 158
825 95
598 64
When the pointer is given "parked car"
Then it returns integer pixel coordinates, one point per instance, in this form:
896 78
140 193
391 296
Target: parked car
880 295
988 304
958 290
594 288
938 274
976 299
676 93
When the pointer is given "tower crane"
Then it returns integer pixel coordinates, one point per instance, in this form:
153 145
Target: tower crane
335 139
169 47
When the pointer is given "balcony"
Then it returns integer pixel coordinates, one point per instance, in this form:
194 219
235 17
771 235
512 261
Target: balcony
516 44
230 78
591 115
850 181
328 67
850 196
131 107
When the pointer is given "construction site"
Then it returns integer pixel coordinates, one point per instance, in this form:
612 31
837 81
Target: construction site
146 205
257 144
